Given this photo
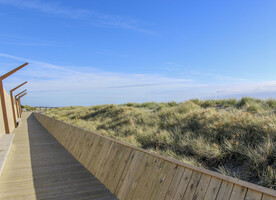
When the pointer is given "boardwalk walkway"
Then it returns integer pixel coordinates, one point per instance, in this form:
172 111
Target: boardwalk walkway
38 167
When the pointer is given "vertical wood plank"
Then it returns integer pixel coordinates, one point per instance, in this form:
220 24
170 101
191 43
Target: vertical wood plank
160 180
268 197
175 183
112 165
100 154
183 184
92 145
225 190
116 175
91 153
129 174
165 187
88 146
140 173
238 193
253 195
102 157
95 154
152 181
144 182
192 186
213 189
202 187
108 162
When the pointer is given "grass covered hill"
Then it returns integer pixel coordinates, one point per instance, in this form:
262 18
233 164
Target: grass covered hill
233 137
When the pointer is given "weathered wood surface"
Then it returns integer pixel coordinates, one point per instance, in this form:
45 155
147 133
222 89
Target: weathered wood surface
133 173
39 167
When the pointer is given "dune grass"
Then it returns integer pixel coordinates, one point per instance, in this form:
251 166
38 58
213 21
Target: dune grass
233 137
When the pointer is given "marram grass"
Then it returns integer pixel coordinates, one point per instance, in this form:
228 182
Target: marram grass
233 137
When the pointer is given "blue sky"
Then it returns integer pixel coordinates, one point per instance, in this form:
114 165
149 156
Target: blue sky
97 52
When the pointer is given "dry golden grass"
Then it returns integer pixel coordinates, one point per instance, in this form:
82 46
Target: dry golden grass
234 137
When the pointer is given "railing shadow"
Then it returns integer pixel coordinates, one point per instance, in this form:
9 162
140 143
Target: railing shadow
56 173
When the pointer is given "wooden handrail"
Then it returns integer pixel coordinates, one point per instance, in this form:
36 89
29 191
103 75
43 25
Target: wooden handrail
19 101
16 101
12 71
12 102
2 96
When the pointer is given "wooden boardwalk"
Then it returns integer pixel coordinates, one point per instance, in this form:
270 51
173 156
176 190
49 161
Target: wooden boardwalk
38 167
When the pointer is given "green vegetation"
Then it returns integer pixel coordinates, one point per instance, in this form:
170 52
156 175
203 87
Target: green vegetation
28 108
234 137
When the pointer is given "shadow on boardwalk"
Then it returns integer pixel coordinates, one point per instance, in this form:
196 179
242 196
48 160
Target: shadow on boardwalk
56 173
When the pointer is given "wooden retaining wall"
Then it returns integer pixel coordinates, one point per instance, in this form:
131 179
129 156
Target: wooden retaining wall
133 173
10 114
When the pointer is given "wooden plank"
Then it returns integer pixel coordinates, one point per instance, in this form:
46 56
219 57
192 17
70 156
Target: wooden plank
93 154
100 148
183 184
76 150
115 177
151 182
39 167
268 197
88 145
103 156
140 173
112 163
175 183
160 181
225 190
82 146
104 170
253 195
202 187
144 182
93 143
192 186
129 174
167 182
213 189
75 141
238 193
221 194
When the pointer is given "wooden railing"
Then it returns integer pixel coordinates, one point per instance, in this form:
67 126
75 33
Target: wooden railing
8 104
134 173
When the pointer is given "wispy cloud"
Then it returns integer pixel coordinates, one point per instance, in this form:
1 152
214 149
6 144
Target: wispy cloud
47 7
84 78
174 67
24 41
56 85
98 18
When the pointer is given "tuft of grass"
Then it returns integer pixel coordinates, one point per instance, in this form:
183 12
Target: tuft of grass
233 137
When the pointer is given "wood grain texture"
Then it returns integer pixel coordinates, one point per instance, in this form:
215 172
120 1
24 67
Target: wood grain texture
213 189
39 167
238 193
253 195
175 183
268 197
181 188
134 173
225 191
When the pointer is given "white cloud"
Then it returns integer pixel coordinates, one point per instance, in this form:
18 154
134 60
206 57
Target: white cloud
101 19
53 85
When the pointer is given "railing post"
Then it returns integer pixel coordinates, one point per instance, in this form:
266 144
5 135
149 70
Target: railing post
4 109
17 102
2 94
12 101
